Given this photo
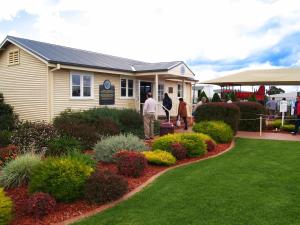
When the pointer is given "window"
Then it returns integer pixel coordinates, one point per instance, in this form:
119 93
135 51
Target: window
127 86
160 92
81 85
14 57
179 91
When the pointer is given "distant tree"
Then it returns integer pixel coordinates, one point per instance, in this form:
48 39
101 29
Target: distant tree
232 96
273 90
201 95
216 98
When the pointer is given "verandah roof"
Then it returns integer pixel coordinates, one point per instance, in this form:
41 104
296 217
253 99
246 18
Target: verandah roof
284 76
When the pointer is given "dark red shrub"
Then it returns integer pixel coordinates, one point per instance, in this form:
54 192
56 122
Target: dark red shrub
131 163
8 153
40 204
106 127
250 112
210 145
178 151
104 186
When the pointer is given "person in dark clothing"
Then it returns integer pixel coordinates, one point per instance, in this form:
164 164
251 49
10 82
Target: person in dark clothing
297 113
182 112
167 103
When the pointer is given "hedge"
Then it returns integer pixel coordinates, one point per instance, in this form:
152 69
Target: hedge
250 110
219 111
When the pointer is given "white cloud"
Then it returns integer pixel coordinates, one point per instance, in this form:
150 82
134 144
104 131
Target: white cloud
161 30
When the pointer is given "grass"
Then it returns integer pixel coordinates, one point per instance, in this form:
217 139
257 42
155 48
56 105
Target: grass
256 183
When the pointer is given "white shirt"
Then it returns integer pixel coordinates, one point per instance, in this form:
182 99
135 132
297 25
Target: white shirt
149 106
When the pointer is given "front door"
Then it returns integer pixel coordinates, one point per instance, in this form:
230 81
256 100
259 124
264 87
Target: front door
145 87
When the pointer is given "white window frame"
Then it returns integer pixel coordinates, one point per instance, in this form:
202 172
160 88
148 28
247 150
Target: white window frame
133 88
179 92
81 74
163 92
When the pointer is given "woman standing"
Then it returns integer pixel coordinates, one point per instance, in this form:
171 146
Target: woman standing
182 112
167 103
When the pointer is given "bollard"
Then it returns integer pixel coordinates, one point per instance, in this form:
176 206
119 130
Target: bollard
260 126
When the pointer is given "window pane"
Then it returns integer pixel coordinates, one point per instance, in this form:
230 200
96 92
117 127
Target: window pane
123 92
87 81
86 91
76 80
130 83
130 92
76 91
123 83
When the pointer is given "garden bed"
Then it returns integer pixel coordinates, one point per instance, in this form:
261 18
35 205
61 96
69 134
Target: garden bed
64 211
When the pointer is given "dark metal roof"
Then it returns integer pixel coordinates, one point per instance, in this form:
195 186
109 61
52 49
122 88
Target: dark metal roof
76 57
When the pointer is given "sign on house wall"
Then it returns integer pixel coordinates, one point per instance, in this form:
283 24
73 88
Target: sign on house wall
106 93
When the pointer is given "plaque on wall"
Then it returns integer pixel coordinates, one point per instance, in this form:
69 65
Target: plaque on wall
106 93
170 90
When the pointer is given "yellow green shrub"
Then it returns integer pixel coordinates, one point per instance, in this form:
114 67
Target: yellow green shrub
160 157
5 208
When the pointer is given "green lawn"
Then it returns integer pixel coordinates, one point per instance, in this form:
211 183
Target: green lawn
256 183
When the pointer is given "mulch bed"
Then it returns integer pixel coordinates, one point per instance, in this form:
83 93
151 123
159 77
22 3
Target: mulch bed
64 211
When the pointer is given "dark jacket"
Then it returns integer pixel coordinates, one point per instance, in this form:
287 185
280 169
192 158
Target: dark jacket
297 111
182 112
167 102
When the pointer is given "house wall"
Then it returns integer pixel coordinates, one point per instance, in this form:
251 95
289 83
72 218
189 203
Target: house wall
24 85
62 99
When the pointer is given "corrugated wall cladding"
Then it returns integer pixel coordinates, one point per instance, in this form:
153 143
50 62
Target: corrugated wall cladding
62 99
25 85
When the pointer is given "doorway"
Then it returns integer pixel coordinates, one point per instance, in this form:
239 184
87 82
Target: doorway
145 87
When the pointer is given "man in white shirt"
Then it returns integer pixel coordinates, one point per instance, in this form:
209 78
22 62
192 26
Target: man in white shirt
149 116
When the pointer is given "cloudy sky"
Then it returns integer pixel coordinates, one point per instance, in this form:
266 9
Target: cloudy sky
214 37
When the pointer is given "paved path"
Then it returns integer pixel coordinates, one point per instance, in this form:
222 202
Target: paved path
268 135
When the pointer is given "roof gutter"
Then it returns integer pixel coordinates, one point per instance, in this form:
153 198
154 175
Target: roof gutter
56 68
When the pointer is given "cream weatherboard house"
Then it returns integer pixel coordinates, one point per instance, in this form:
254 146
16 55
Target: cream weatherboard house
40 80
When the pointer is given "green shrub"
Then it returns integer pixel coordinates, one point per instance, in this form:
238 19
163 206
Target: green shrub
62 178
194 145
192 142
275 124
288 127
33 136
19 171
165 142
62 146
5 208
218 130
5 137
219 111
106 148
8 119
251 111
82 158
160 157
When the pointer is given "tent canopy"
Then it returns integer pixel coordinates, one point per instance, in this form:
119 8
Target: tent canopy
285 76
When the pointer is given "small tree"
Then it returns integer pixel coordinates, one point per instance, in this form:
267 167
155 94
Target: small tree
8 118
202 94
273 90
216 98
232 96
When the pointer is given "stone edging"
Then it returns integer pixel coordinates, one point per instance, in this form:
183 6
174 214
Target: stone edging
136 190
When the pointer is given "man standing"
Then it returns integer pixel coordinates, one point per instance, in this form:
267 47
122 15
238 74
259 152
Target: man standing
271 106
182 112
149 116
297 113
